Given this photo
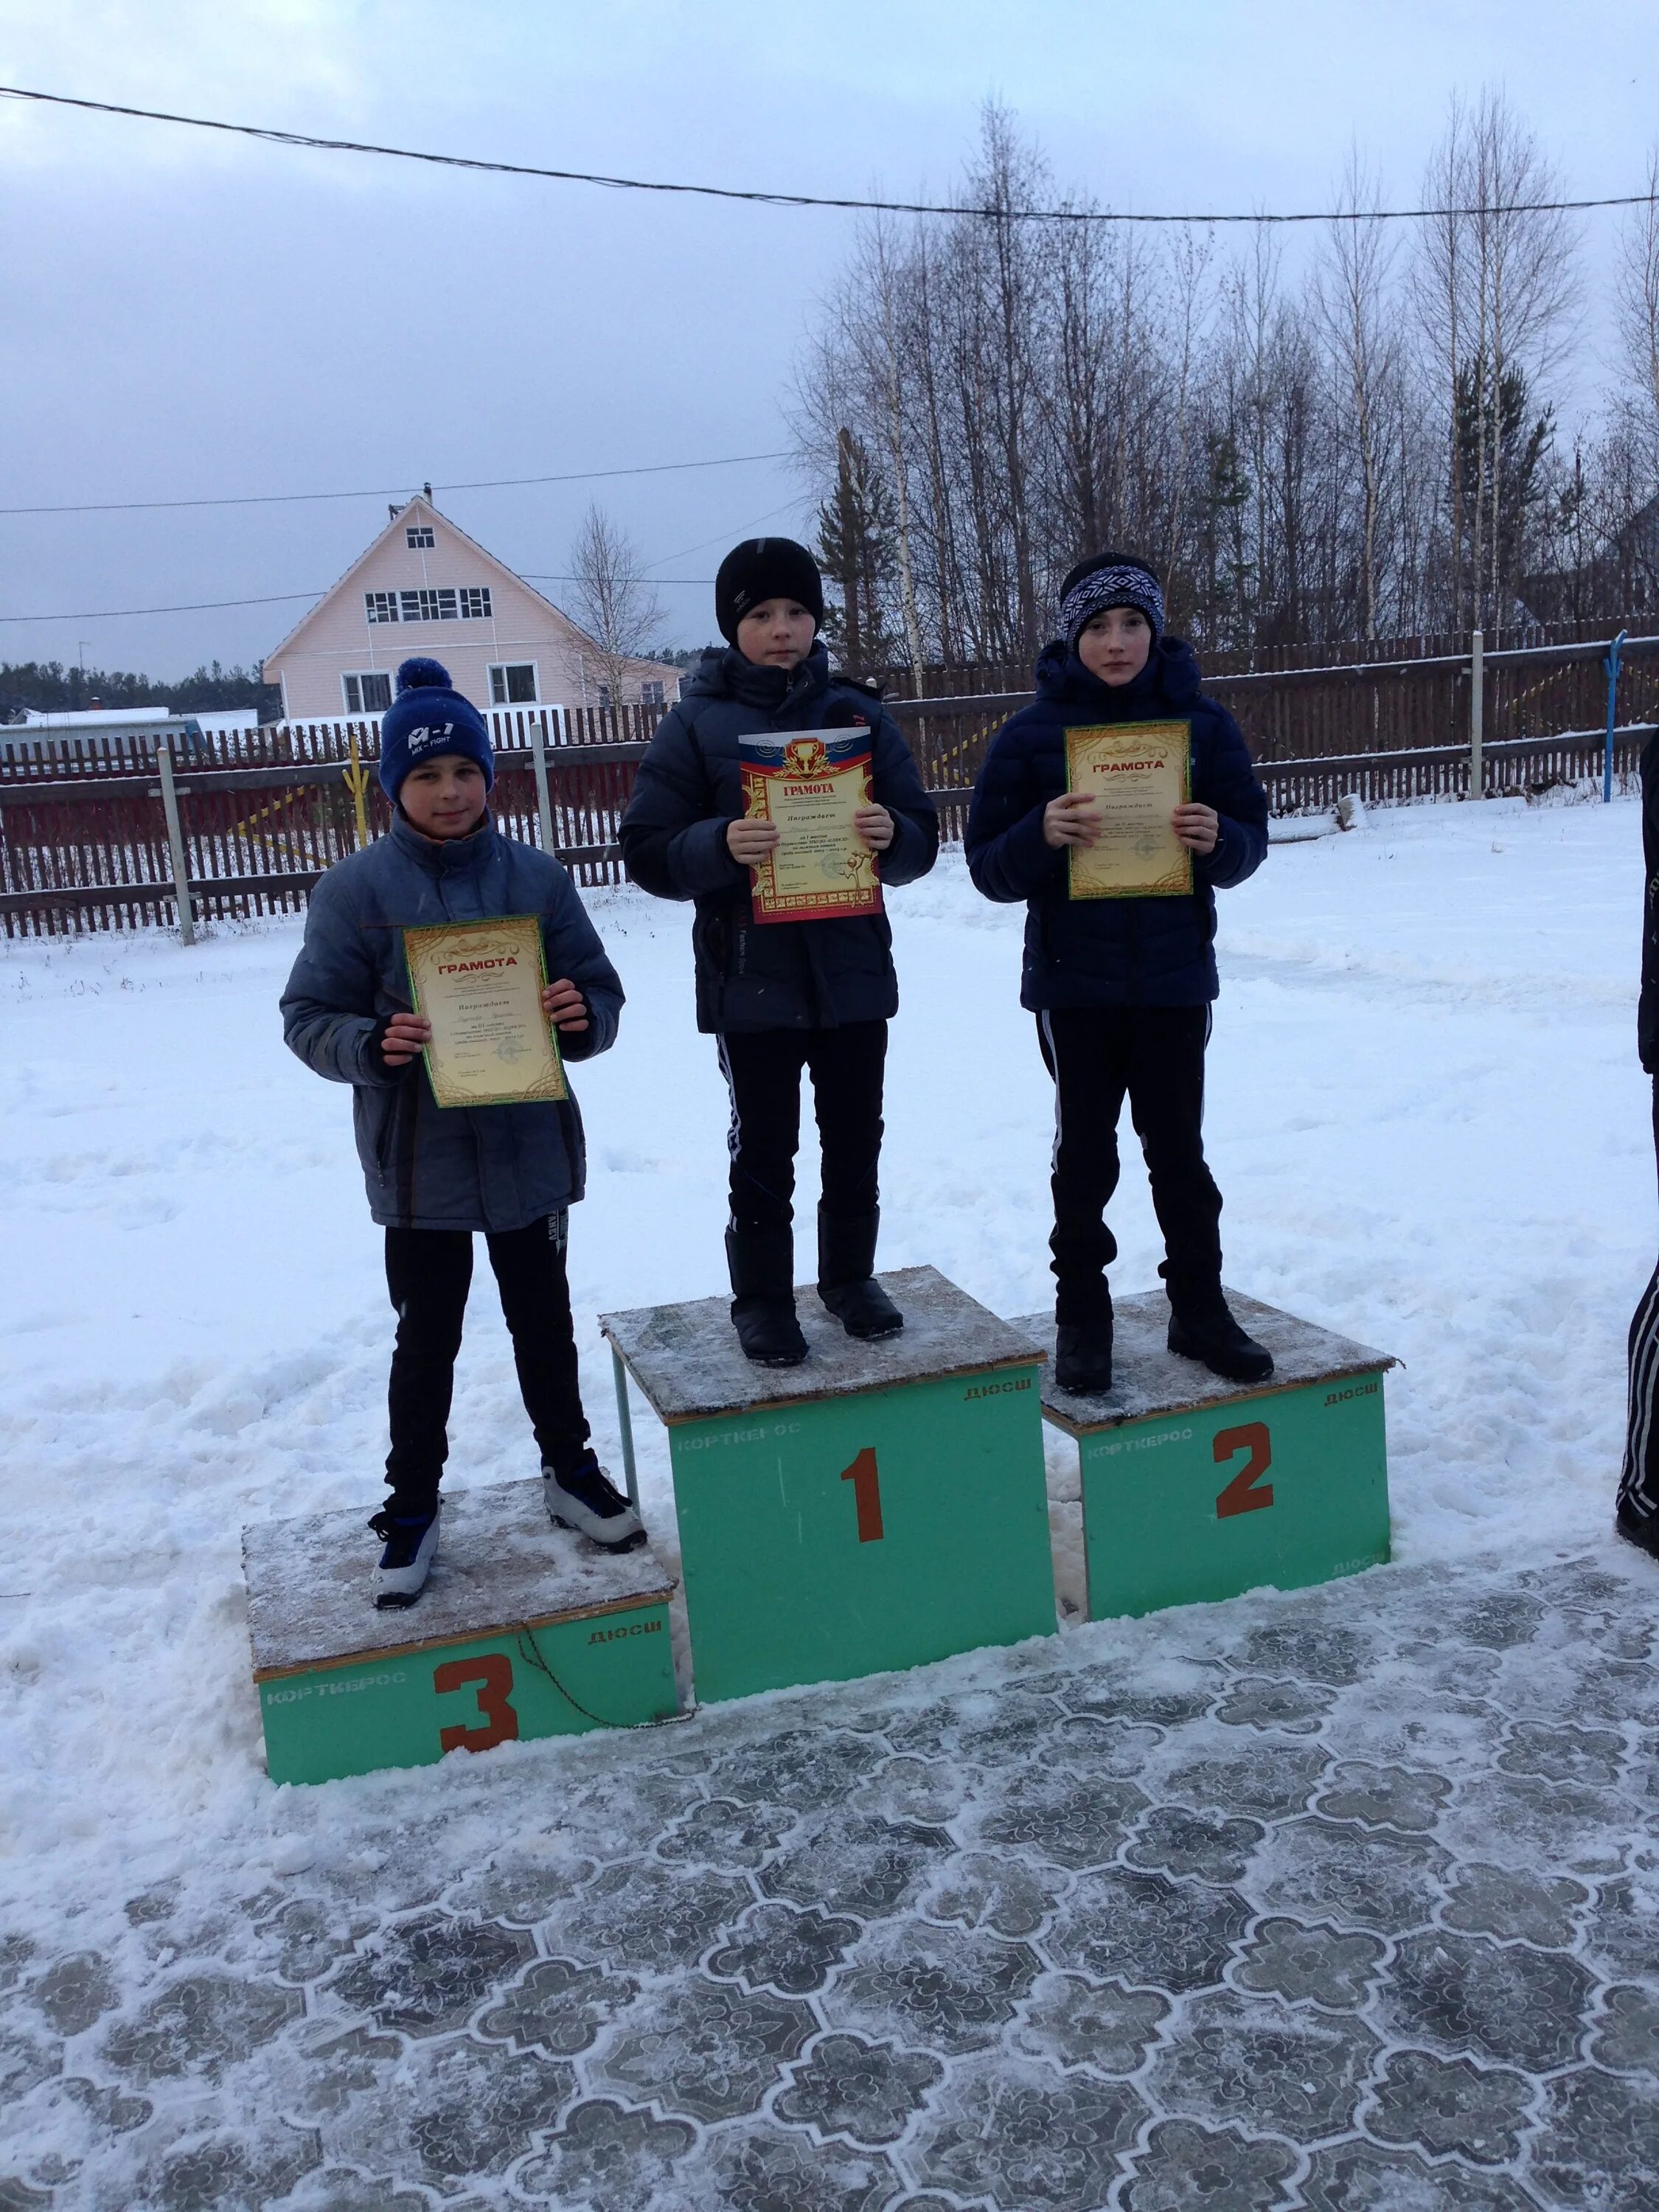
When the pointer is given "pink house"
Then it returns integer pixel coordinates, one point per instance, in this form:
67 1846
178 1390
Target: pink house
425 586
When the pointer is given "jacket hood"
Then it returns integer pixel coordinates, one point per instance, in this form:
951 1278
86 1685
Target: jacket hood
724 673
1170 679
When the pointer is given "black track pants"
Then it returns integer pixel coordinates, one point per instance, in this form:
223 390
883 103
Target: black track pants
1154 1055
429 1272
1638 1485
762 1071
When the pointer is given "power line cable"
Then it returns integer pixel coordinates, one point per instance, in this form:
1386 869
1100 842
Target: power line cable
1064 215
393 491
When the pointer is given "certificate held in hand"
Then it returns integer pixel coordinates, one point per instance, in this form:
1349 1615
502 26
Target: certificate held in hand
479 984
811 785
1136 774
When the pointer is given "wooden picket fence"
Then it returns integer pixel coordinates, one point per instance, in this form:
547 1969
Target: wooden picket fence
84 841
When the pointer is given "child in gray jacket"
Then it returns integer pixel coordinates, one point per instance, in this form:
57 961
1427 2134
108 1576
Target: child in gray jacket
436 1175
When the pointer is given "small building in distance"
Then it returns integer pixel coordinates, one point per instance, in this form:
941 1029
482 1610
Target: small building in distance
425 586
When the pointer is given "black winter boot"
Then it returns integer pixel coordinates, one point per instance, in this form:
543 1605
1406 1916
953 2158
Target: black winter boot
762 1265
846 1282
1202 1328
1083 1357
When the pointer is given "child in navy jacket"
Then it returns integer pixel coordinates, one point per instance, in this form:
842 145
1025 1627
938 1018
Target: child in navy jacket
784 997
1121 988
437 1175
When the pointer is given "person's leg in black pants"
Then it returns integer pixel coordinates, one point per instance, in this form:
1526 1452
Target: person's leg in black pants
763 1073
1638 1510
1166 1103
529 1266
428 1273
762 1070
1086 1050
848 1066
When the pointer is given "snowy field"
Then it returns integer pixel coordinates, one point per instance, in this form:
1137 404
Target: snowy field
1424 1113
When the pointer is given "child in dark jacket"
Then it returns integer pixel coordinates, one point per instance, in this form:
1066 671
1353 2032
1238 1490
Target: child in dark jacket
781 996
1121 987
437 1175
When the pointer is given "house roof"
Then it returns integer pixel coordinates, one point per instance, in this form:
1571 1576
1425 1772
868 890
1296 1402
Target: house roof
420 509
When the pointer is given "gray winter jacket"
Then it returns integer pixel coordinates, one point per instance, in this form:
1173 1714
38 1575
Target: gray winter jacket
427 1166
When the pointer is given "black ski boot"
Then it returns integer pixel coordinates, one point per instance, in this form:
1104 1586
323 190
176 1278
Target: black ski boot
1645 1534
846 1282
1202 1328
1083 1357
762 1265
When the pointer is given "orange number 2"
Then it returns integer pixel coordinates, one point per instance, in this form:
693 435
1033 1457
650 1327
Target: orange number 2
1241 1496
493 1674
866 1495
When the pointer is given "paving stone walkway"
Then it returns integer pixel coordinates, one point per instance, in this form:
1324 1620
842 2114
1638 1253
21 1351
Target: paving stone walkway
1343 1900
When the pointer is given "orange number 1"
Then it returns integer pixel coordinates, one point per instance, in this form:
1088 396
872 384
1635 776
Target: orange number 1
866 1495
1241 1495
492 1673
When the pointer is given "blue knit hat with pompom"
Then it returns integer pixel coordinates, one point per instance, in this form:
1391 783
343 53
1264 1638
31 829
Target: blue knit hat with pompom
429 716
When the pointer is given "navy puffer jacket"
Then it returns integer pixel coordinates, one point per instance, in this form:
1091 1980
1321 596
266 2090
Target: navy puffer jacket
780 975
427 1166
1111 952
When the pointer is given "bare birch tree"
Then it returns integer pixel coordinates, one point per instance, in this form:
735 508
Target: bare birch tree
616 607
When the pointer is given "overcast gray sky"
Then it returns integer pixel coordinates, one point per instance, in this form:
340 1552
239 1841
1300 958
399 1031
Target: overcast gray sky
186 315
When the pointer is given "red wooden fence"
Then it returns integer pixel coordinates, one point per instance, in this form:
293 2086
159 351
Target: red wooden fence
83 841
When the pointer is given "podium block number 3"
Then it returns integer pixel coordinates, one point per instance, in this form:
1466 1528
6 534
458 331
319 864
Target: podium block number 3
493 1674
866 1495
1241 1495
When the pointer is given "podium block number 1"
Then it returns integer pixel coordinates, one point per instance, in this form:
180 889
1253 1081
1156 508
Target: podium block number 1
867 1494
492 1672
1241 1495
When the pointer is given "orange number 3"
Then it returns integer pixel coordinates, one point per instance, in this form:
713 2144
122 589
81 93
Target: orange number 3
1241 1495
493 1674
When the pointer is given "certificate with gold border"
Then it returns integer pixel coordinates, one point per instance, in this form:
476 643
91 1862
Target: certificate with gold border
811 785
479 984
1136 774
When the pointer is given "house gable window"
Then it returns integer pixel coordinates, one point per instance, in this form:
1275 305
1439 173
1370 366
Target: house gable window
429 607
652 694
469 602
420 538
368 692
513 684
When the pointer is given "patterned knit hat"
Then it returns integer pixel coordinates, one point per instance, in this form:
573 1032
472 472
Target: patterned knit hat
429 716
1110 579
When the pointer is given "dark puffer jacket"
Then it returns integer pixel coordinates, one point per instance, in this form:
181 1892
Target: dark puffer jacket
427 1166
1647 1012
1111 952
781 974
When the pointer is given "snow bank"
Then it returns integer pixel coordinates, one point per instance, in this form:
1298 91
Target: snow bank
1426 1114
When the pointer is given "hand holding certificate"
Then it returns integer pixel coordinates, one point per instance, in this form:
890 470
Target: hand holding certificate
1135 774
480 987
813 787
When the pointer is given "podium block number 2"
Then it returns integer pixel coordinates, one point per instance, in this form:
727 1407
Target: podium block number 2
866 1495
1241 1495
492 1672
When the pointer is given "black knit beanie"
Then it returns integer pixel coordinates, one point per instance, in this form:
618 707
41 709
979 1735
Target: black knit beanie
762 568
1110 579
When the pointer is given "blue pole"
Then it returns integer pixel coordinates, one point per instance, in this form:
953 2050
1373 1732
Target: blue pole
1611 664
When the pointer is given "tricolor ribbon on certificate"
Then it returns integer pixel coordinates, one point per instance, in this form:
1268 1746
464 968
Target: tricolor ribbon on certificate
810 783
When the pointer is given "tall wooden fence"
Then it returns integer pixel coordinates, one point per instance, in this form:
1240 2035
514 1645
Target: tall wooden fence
85 840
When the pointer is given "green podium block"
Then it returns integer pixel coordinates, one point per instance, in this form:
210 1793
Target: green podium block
879 1506
1196 1488
524 1630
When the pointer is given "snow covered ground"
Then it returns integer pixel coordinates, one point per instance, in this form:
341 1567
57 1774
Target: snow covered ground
1424 1113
